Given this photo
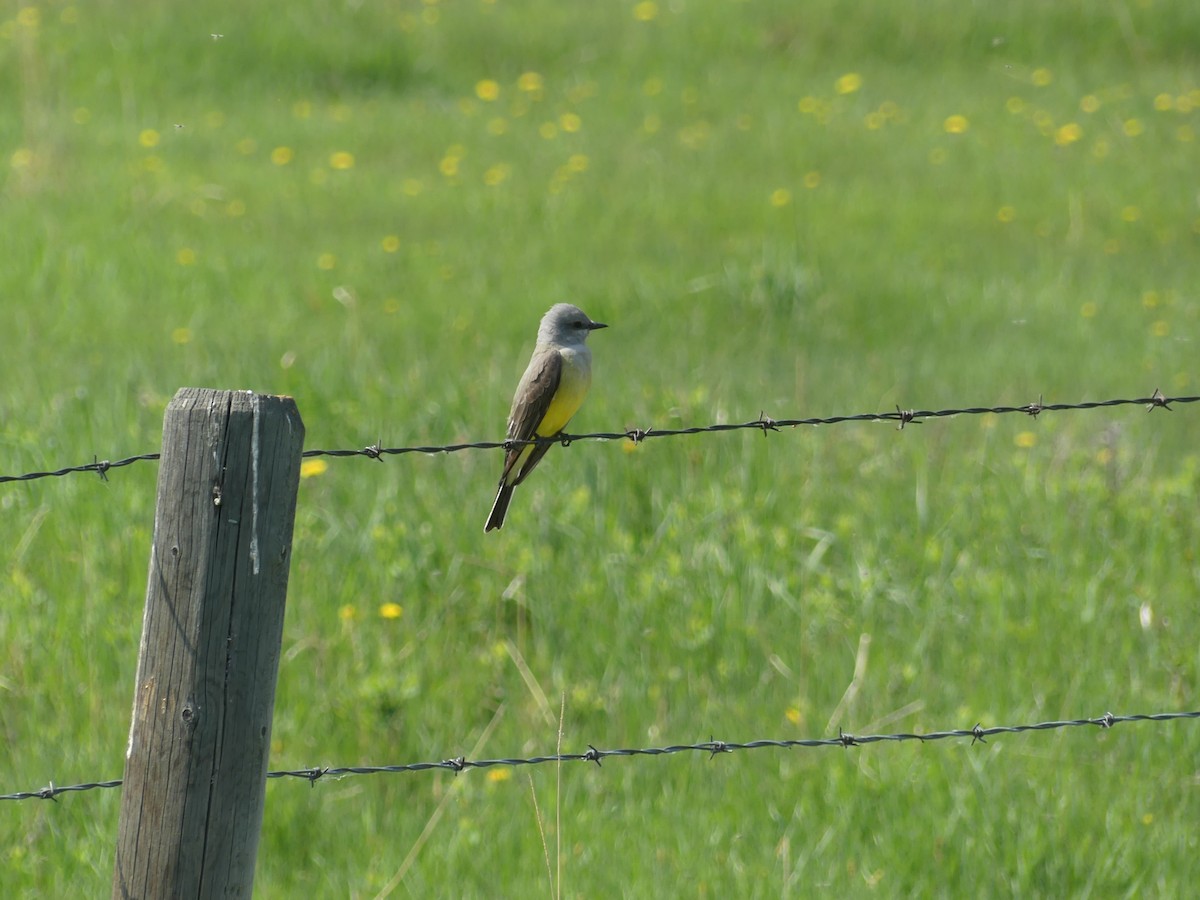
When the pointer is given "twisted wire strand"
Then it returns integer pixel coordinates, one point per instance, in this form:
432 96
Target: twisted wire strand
764 423
845 740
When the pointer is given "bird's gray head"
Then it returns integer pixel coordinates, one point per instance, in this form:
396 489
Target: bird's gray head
565 324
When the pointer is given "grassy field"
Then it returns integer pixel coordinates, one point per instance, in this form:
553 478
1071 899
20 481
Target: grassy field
798 209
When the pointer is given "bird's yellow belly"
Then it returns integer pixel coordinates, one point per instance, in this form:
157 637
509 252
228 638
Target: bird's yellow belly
572 388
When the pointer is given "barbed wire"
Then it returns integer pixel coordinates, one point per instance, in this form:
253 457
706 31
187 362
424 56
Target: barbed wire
99 466
845 740
763 423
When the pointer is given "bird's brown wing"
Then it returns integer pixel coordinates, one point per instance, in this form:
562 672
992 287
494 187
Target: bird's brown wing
533 397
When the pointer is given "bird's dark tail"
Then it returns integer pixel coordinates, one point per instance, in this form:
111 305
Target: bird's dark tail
500 507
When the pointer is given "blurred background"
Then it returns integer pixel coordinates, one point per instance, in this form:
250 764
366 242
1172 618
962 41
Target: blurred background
792 209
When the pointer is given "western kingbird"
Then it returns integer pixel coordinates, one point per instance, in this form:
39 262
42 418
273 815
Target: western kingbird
550 392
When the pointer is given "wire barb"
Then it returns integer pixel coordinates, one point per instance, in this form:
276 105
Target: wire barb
637 435
1156 400
906 416
716 747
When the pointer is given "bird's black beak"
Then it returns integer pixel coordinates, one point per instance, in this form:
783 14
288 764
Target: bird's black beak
592 326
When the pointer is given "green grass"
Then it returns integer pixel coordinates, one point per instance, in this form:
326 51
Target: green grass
759 241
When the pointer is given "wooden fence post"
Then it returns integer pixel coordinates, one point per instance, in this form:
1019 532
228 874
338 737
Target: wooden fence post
196 762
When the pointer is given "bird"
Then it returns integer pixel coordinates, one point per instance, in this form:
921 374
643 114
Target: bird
552 389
